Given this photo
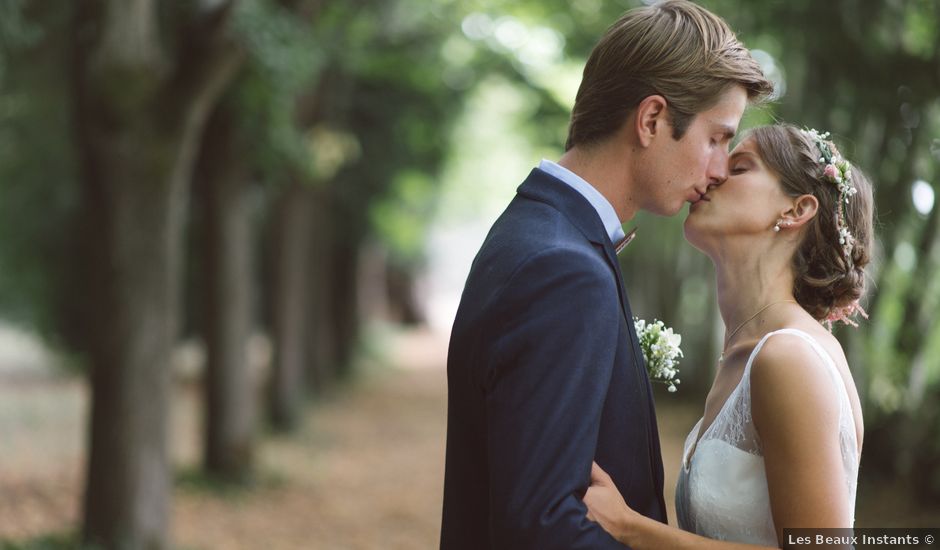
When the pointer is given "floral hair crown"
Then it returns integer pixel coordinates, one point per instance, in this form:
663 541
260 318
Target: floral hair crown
838 171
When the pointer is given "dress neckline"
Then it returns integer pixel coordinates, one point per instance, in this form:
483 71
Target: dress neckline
689 453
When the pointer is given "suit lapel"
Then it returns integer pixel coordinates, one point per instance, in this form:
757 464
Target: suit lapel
615 265
628 314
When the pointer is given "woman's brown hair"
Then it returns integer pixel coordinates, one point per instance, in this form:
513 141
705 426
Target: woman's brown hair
826 278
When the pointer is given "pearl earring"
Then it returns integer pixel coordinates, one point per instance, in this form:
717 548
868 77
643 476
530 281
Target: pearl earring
777 226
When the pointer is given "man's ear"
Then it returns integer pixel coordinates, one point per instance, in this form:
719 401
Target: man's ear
650 119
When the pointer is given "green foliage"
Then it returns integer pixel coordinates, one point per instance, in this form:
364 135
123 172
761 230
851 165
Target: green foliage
37 170
284 60
16 31
401 112
398 218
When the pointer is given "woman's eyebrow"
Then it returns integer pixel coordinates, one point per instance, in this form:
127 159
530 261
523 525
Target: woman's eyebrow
742 154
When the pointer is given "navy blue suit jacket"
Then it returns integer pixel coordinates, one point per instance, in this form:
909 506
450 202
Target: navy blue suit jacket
544 375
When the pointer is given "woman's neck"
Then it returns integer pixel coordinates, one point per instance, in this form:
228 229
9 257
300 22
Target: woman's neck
746 284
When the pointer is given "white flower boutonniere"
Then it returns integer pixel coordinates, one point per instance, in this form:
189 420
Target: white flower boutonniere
660 347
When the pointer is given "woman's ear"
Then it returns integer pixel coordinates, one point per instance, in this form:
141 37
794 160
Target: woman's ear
803 210
650 119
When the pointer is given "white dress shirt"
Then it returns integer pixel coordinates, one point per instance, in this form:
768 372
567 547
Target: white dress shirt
603 207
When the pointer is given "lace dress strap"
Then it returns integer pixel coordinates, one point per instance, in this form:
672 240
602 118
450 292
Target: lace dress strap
846 415
817 347
734 423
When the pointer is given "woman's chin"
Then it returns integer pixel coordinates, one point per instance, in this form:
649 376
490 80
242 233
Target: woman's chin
694 234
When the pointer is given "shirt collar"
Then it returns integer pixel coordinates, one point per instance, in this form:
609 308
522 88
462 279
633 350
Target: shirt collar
603 207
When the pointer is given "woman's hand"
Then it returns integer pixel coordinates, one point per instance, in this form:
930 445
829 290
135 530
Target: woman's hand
606 505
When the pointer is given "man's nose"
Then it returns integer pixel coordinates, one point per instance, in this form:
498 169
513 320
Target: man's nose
718 171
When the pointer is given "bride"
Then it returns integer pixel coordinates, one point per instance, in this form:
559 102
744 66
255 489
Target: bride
789 232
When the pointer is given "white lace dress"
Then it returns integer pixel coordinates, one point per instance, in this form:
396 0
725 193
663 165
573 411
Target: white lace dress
722 490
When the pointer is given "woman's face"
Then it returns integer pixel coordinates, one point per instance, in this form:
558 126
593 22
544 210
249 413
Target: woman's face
746 206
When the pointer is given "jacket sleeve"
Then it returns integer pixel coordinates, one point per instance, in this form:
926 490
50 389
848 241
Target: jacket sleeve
556 337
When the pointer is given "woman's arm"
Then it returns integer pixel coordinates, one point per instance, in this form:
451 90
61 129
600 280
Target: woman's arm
607 507
795 404
795 408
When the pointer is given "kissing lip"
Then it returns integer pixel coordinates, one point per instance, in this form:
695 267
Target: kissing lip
701 197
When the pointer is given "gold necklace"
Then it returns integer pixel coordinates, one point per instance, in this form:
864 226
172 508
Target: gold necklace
721 358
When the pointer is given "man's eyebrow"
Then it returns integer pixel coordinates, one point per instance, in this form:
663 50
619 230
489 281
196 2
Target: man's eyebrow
727 131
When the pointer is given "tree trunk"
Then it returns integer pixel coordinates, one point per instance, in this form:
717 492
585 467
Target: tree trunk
128 483
373 278
402 286
227 250
136 145
291 236
345 302
321 362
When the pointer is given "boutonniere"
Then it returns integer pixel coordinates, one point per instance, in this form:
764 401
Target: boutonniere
660 347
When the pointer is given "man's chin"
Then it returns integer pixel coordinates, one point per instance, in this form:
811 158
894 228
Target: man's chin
678 209
665 210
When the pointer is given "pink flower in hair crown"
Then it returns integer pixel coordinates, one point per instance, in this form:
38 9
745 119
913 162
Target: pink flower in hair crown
837 171
844 314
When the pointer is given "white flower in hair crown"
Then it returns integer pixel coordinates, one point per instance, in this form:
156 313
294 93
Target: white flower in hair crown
838 171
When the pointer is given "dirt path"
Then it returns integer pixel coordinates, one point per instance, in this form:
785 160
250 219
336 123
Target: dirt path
365 472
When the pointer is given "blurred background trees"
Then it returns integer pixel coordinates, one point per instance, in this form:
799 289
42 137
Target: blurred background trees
303 168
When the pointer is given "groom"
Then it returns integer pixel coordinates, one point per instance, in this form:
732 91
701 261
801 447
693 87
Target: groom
544 370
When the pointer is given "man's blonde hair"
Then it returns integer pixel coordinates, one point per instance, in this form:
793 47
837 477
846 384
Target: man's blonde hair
675 49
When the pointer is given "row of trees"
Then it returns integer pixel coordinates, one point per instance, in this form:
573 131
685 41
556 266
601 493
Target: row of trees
211 168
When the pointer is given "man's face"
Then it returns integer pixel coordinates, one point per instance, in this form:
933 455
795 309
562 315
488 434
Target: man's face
682 171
